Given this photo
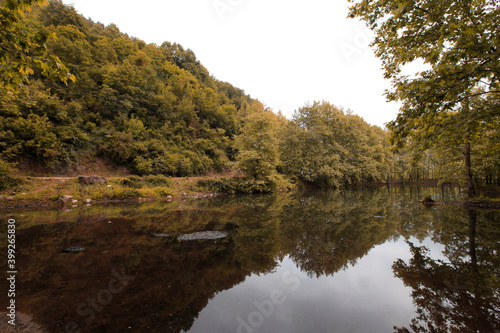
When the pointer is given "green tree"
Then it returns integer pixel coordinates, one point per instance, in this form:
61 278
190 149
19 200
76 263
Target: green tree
258 151
72 47
458 43
310 149
441 150
22 47
326 146
56 14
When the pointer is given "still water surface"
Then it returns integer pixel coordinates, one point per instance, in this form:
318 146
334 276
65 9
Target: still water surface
352 261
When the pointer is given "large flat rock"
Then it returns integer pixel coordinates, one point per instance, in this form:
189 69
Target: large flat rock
202 235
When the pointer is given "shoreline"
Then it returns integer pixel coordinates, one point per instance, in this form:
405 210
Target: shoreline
73 192
52 204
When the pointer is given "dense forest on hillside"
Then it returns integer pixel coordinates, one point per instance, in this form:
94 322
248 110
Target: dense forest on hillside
155 109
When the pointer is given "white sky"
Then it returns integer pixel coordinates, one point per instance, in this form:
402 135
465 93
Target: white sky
282 52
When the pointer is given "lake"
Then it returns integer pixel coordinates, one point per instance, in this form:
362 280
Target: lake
366 260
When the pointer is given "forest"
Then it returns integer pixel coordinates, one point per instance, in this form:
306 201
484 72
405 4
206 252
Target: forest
74 90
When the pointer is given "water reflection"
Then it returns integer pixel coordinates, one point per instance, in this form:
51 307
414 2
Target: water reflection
337 246
461 294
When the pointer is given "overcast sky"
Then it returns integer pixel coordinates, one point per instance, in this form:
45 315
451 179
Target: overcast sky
282 52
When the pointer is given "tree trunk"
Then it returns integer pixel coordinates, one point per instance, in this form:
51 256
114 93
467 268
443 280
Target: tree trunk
471 192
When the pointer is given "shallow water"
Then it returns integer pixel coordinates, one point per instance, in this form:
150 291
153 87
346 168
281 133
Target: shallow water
371 260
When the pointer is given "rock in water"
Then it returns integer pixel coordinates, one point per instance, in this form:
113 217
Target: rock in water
74 249
161 235
202 235
65 198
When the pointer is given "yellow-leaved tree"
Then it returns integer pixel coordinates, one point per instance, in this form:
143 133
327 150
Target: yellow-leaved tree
258 155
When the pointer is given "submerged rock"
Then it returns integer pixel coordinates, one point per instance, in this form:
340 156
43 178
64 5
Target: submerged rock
161 235
73 249
202 235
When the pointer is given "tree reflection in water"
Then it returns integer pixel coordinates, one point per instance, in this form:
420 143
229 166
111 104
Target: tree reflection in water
461 295
322 232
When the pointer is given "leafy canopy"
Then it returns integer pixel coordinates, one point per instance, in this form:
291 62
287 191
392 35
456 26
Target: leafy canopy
326 146
258 155
22 47
458 41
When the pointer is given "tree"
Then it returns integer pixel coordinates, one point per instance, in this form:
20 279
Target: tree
72 47
323 145
22 47
311 149
56 14
458 41
258 151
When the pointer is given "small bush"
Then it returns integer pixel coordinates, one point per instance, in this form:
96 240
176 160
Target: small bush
196 188
248 185
124 193
158 180
164 191
273 183
6 180
132 181
55 197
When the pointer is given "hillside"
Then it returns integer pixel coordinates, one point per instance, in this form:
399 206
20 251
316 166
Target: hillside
153 109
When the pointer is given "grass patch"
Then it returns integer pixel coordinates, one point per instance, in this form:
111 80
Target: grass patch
48 189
